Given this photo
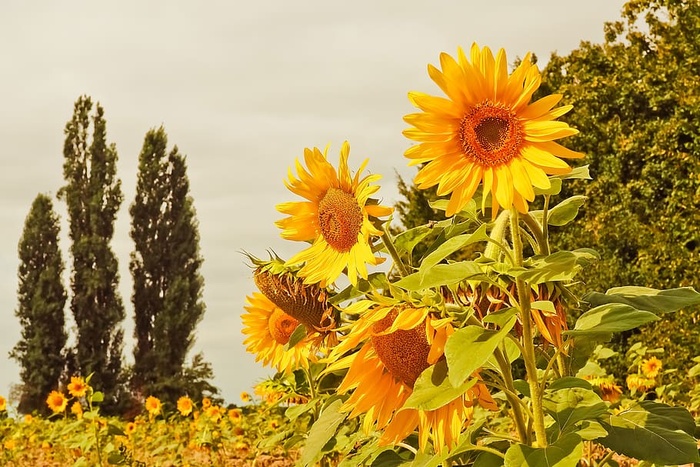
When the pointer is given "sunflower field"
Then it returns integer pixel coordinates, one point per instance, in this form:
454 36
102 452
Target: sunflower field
469 338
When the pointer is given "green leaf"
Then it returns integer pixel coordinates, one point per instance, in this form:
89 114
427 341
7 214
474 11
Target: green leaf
407 240
388 459
569 382
434 390
487 459
468 349
572 405
321 432
581 173
376 280
554 189
441 274
115 430
512 352
116 458
544 305
450 246
559 266
644 298
609 318
653 432
565 452
97 397
566 211
296 336
295 411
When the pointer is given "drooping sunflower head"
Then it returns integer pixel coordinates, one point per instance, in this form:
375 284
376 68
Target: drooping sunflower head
487 131
306 303
336 218
269 330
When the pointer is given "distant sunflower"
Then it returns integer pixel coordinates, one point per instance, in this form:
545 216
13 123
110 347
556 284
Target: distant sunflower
153 406
651 367
268 329
185 406
57 402
487 131
77 386
3 404
335 218
77 409
400 342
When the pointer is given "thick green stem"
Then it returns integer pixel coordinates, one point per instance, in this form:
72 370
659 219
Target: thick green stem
545 226
496 237
528 334
391 248
536 229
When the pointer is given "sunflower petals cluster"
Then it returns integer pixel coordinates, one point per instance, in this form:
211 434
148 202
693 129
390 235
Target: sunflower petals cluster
487 132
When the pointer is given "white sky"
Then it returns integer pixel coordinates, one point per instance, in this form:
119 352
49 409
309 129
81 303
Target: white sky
241 88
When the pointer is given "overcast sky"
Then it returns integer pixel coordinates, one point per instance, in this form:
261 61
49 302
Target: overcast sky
241 88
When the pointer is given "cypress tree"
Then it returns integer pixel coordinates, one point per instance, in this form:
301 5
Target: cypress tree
165 266
93 196
42 297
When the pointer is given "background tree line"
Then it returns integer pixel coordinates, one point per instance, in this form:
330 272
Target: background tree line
636 99
165 266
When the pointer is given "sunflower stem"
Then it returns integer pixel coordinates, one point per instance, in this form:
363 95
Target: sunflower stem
391 248
545 225
528 335
538 234
513 399
496 237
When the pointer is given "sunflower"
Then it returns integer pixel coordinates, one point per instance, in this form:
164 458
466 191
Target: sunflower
77 387
487 130
3 404
651 367
235 415
185 406
153 406
268 329
335 218
77 409
609 391
399 342
57 402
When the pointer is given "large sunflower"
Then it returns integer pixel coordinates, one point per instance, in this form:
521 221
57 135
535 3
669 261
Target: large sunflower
487 130
335 218
400 342
268 329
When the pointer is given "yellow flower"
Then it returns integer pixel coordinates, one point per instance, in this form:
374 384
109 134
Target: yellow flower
400 342
57 402
336 218
77 409
214 412
487 131
153 405
268 329
639 383
651 367
10 444
77 387
609 391
206 403
130 428
28 418
235 415
185 406
245 397
3 404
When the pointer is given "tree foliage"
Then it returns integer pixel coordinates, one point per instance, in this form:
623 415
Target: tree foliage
93 196
165 266
42 297
637 103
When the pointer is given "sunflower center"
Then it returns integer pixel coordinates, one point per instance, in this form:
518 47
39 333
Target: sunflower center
403 353
340 218
281 326
491 134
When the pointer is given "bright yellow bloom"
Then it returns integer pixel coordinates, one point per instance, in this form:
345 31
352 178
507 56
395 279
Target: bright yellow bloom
10 444
77 409
214 412
57 402
130 428
268 329
400 342
245 397
487 131
28 418
206 403
3 404
153 405
651 367
235 415
336 218
185 406
77 386
639 383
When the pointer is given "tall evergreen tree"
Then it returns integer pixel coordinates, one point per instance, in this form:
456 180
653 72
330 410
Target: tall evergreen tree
93 196
42 297
165 266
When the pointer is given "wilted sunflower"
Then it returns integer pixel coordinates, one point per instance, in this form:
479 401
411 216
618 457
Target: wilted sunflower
487 130
400 342
268 329
609 391
335 218
57 402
